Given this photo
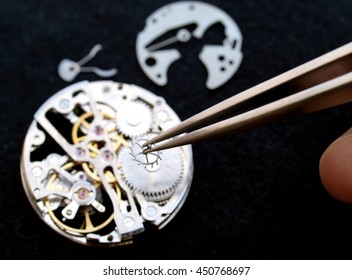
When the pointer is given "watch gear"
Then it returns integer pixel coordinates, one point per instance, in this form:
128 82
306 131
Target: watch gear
78 168
137 152
76 208
157 177
134 118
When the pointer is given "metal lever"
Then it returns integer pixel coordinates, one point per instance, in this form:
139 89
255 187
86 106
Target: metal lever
69 69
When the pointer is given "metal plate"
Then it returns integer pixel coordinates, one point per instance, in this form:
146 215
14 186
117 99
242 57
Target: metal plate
156 57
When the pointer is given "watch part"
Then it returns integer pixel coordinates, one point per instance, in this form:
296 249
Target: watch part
134 118
156 57
160 174
69 69
83 169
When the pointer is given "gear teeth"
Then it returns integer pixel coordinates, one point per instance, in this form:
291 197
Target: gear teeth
80 208
163 195
134 118
157 185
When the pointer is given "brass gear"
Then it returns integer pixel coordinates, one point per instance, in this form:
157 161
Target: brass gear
81 126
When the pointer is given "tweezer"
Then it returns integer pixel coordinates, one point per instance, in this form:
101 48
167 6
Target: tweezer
319 84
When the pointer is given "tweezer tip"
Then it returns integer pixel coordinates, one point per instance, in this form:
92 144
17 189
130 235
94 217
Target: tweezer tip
147 144
147 148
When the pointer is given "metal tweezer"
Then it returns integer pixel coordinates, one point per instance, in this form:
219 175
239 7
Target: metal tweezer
321 83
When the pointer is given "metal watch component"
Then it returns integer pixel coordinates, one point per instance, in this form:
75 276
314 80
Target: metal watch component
166 167
88 178
156 55
134 118
69 69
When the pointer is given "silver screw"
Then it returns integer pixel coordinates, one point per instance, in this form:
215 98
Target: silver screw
128 222
64 103
151 211
37 171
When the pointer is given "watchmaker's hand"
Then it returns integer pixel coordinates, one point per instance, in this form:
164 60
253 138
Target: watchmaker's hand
336 168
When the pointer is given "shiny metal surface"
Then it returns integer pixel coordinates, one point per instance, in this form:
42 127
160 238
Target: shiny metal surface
78 172
156 57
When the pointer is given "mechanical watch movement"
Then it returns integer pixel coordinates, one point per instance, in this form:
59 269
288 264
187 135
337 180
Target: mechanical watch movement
83 166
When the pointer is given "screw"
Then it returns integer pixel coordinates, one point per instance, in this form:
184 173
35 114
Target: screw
128 222
64 103
37 171
151 211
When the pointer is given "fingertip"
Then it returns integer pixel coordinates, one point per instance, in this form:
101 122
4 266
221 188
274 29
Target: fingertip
336 168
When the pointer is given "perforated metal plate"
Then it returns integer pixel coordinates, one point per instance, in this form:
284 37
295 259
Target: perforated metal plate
156 57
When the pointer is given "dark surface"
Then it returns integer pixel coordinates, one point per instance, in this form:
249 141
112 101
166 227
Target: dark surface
255 195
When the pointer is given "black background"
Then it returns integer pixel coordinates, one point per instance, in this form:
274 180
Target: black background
255 195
